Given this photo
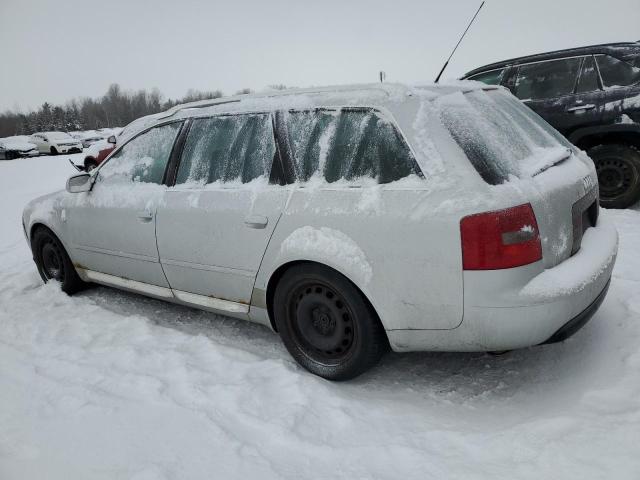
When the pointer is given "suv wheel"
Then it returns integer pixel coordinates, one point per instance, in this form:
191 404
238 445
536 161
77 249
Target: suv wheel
326 324
618 168
53 262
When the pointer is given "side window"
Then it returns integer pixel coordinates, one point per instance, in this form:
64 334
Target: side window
348 144
228 148
588 81
549 79
143 159
617 73
493 77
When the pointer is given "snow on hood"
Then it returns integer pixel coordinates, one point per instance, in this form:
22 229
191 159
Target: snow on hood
16 143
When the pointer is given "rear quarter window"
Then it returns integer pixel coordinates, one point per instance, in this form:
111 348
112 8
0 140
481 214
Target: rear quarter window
347 144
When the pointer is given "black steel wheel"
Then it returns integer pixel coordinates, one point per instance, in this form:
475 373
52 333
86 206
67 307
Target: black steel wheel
326 323
618 168
53 262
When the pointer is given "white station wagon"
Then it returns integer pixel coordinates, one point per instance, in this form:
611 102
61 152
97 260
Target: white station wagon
347 219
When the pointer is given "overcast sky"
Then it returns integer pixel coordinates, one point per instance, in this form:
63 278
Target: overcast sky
53 50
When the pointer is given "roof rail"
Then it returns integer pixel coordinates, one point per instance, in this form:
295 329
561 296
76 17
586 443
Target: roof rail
199 104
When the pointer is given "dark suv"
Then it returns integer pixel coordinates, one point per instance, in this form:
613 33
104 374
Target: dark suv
592 96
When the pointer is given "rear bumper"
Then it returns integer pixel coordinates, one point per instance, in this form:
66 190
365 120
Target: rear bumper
580 320
526 306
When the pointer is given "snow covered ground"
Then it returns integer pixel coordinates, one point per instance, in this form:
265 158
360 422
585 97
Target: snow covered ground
109 385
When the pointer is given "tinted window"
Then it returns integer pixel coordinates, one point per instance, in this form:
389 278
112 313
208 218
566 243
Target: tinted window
348 144
500 136
588 81
494 77
143 159
546 79
616 73
228 148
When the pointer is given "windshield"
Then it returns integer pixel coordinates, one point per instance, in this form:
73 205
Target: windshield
501 137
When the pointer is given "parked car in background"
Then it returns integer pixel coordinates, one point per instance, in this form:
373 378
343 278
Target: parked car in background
97 152
15 147
592 96
88 138
54 143
435 218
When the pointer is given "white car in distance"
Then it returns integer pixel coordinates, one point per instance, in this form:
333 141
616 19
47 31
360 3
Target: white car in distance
53 143
347 219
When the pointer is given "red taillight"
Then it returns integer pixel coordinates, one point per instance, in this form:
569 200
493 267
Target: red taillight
501 239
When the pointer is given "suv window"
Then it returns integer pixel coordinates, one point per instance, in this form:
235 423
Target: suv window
143 159
588 81
492 77
347 144
617 73
546 79
228 148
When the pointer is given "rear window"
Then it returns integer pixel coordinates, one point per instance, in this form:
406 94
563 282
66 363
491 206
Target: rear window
617 73
502 138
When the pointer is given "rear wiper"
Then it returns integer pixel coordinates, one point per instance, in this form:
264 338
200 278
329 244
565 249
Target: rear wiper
553 160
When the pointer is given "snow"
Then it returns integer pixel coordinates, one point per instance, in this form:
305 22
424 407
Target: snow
315 243
110 385
16 143
574 274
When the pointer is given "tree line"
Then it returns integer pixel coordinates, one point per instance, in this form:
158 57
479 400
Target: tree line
116 108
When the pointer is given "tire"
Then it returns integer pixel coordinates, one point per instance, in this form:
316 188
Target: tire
53 262
54 151
618 168
89 165
11 155
326 324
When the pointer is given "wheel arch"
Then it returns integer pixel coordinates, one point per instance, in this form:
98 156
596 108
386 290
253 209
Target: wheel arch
279 272
586 138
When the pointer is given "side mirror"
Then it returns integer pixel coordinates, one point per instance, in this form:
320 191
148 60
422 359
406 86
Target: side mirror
79 183
112 139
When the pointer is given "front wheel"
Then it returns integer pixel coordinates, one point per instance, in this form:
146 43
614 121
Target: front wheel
618 168
54 151
53 262
326 323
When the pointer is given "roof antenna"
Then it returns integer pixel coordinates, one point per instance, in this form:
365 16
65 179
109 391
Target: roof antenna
456 47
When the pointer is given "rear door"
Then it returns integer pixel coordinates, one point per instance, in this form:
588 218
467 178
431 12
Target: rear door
215 223
621 81
565 92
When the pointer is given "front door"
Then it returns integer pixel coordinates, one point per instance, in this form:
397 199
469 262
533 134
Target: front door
214 225
113 226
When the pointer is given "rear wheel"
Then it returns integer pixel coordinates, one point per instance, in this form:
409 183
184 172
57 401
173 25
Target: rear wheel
54 151
326 323
53 262
618 168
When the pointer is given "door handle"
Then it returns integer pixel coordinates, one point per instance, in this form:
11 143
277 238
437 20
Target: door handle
577 108
145 215
256 221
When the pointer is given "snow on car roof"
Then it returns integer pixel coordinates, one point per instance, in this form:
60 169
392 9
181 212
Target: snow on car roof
383 94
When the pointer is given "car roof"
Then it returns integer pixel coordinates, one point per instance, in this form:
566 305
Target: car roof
384 95
621 50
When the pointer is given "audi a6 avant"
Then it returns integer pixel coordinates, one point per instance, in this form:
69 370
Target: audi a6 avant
347 219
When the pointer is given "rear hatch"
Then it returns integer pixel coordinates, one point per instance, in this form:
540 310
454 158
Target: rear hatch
507 143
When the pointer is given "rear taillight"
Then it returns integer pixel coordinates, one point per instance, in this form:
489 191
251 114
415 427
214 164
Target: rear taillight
501 239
